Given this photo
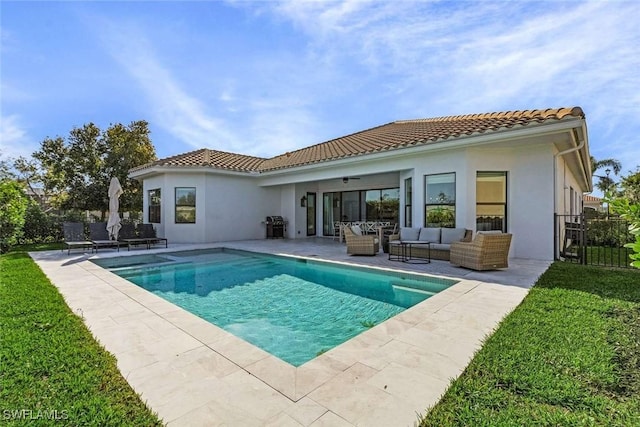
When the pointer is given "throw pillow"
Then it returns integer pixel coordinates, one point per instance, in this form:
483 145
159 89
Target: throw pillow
430 234
407 233
450 235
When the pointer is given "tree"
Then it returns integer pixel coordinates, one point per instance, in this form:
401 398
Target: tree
13 206
77 171
630 186
605 183
5 169
27 174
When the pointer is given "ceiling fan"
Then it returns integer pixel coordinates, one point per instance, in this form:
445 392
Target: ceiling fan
345 180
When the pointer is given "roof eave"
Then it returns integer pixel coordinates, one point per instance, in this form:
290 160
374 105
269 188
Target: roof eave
148 172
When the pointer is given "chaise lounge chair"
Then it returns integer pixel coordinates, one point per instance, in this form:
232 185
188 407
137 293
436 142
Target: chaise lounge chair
99 236
360 244
488 251
73 233
128 236
146 231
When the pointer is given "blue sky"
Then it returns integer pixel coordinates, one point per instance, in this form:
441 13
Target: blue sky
263 78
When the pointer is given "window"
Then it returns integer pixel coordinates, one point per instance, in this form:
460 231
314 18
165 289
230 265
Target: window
440 197
491 201
185 205
154 205
408 190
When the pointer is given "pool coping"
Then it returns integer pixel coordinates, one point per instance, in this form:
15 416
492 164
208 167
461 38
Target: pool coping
386 374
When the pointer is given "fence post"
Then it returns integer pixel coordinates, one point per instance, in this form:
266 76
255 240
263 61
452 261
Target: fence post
556 237
583 239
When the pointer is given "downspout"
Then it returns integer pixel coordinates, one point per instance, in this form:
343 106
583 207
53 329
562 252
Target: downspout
555 186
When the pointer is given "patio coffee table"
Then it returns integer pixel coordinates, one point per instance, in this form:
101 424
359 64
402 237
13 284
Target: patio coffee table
405 254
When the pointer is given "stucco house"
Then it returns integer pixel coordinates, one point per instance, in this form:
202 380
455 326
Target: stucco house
510 171
593 202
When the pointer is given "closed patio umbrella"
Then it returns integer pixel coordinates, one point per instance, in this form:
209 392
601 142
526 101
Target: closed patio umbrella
113 224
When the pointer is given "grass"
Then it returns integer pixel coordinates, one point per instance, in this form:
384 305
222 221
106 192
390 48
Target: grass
51 368
569 355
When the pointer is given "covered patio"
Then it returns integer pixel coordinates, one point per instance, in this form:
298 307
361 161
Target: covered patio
193 373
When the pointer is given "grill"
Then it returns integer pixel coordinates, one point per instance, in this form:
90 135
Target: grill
276 226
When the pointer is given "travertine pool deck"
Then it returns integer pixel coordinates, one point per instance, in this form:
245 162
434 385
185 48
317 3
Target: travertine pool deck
193 373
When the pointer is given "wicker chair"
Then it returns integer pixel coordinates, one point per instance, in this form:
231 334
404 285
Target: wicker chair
485 252
361 244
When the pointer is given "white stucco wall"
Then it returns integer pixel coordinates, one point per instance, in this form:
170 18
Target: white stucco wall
530 198
227 207
237 208
234 206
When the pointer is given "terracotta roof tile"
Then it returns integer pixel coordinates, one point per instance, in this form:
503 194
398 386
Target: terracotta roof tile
405 133
395 135
209 158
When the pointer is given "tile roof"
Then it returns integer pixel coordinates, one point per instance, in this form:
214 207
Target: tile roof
395 135
589 198
209 158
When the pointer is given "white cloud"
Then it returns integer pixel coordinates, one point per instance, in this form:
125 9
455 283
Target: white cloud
171 106
14 139
394 60
437 59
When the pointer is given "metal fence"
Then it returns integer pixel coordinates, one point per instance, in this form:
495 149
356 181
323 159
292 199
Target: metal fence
597 240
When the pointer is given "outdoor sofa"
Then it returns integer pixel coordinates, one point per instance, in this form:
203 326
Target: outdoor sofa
440 239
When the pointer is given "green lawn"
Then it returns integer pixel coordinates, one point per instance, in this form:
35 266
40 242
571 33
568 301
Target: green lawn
569 355
52 371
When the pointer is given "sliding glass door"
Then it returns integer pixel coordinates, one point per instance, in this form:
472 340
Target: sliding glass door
311 214
360 205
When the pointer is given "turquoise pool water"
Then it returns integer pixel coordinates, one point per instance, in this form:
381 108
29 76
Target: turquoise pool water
293 308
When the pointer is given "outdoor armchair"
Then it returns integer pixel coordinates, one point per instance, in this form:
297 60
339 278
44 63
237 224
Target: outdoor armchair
358 244
488 251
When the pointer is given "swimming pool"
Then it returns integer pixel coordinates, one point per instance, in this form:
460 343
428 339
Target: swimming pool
293 308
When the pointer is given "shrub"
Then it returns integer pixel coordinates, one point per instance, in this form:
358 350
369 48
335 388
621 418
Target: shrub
13 206
608 232
37 225
631 213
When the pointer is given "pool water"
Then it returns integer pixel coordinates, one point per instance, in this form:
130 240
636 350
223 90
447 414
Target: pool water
295 309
